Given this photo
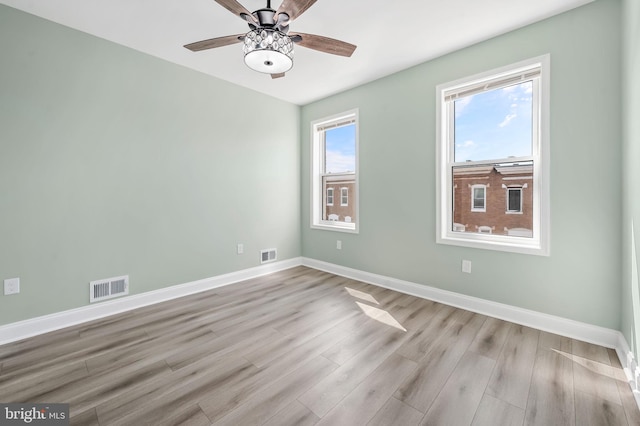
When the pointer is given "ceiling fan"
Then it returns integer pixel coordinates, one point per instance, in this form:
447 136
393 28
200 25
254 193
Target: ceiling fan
268 46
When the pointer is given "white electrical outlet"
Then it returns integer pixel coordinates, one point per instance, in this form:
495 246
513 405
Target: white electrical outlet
339 244
466 266
11 286
240 248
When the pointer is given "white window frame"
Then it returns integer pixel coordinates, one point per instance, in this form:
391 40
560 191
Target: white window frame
317 167
539 244
473 198
330 196
344 196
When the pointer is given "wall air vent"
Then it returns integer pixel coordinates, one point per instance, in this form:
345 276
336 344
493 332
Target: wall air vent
268 255
108 288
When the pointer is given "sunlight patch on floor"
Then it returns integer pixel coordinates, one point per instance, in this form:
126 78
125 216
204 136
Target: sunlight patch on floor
361 295
595 366
380 315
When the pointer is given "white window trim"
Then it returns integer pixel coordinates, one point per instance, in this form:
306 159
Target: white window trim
317 147
539 244
344 190
473 198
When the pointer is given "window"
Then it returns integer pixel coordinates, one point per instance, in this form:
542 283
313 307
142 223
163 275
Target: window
334 165
493 156
514 200
478 198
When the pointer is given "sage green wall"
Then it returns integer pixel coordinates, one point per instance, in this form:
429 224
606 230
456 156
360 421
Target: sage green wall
581 279
631 176
113 162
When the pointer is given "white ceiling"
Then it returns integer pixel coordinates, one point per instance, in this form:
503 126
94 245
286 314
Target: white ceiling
390 35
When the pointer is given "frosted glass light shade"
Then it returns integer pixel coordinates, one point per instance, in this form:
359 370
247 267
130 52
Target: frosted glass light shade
268 51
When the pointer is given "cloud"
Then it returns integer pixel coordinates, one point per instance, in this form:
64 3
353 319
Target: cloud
507 119
466 144
462 104
337 162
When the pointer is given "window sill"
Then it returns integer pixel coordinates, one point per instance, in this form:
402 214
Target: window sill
336 226
522 245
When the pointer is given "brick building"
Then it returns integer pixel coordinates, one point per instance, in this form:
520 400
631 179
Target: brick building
496 199
339 197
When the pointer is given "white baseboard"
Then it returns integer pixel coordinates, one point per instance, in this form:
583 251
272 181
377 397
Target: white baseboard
630 365
44 324
606 337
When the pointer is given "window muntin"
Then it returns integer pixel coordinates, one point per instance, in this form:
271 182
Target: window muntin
335 169
493 131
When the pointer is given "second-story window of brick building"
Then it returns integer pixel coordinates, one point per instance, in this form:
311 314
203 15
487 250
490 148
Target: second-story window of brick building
344 196
479 198
514 200
330 196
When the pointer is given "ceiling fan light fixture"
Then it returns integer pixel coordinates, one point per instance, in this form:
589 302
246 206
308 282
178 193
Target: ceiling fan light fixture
268 51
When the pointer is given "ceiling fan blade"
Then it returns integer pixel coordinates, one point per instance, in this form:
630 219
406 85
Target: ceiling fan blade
294 8
237 9
323 44
277 75
214 42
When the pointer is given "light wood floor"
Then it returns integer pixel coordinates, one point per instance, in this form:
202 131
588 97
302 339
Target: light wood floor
304 347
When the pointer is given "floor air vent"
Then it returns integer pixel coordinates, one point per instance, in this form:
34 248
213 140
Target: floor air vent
268 255
108 289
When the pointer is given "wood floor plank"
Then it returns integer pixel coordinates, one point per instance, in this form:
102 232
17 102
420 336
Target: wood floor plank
218 405
153 401
396 412
512 376
595 378
421 341
594 411
461 395
590 351
364 401
551 397
494 412
422 387
491 338
293 414
87 418
32 386
277 396
327 393
352 345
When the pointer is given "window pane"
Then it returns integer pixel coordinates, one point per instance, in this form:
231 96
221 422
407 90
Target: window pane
478 198
340 149
481 188
494 124
514 200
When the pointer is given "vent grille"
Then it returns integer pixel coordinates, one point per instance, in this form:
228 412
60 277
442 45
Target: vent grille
268 255
108 288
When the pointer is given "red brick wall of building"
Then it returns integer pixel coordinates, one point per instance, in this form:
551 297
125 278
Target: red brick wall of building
496 215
